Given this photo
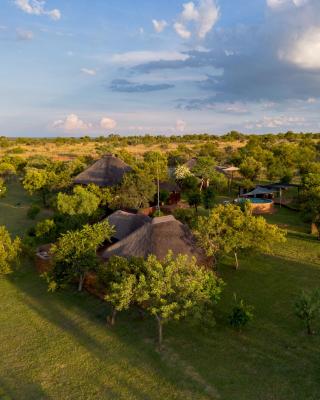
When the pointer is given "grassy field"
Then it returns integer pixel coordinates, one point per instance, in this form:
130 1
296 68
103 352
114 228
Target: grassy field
58 346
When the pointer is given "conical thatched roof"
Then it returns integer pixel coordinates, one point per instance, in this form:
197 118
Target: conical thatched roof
108 171
191 163
158 237
125 223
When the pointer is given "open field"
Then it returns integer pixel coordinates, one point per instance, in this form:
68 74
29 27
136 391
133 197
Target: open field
65 151
58 346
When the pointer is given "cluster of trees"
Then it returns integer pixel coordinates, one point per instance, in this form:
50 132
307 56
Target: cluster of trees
231 230
10 250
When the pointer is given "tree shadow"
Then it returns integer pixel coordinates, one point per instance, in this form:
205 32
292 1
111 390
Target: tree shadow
73 312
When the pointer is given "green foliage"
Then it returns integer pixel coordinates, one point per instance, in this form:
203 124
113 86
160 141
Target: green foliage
45 228
208 197
136 191
3 188
177 287
9 251
194 199
75 252
250 168
241 314
228 229
307 308
33 211
310 198
164 196
82 201
182 172
7 169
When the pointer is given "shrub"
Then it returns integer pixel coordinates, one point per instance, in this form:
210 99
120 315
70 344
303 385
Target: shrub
241 314
307 308
33 211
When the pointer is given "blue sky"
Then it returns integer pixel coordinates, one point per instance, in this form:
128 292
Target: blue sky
76 67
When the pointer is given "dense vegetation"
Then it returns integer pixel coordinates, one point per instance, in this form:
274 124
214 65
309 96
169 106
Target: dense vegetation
227 334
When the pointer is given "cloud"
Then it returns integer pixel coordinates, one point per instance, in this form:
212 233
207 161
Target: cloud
24 34
182 30
305 50
138 57
72 123
204 16
107 123
37 7
87 71
159 26
180 125
276 122
123 85
278 4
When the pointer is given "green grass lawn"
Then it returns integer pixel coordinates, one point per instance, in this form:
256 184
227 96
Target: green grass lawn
14 207
58 346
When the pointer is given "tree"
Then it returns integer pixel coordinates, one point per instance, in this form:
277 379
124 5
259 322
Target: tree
241 314
204 169
82 201
307 308
194 199
137 190
250 168
9 251
3 188
230 230
7 169
208 197
175 288
74 254
120 279
310 199
182 172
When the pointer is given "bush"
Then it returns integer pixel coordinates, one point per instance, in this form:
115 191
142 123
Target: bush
33 211
241 314
307 308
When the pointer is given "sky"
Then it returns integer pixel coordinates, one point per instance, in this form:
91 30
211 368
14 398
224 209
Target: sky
95 67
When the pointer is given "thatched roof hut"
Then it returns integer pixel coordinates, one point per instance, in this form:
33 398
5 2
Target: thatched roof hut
158 237
191 163
126 223
108 171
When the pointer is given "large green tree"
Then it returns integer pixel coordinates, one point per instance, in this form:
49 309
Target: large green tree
175 288
9 251
74 254
230 230
310 199
81 202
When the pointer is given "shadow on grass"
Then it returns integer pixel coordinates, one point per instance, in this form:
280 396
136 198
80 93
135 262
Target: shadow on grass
73 313
32 390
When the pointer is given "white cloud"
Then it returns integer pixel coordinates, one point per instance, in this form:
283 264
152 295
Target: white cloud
278 4
305 50
139 57
108 123
204 15
182 31
71 123
311 100
37 7
276 122
181 125
88 71
24 34
190 12
159 26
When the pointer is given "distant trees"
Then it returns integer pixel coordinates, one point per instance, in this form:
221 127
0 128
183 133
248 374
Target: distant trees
74 254
9 251
229 230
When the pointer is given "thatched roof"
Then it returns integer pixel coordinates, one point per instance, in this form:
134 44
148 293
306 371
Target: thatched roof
158 237
258 191
108 171
191 163
170 187
125 223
